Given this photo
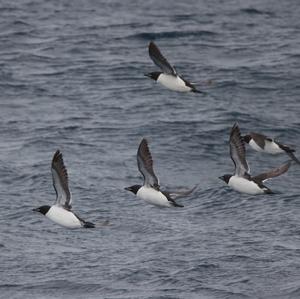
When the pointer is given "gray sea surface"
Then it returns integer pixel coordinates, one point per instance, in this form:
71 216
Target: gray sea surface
72 78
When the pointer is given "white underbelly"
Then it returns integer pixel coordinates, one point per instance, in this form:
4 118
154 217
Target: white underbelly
273 148
269 148
153 197
244 186
173 83
63 217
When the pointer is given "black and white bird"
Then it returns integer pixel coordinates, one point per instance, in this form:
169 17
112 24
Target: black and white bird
60 212
150 190
242 181
168 77
262 143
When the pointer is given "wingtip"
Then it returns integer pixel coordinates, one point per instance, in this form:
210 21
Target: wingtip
235 125
144 141
58 160
288 164
151 47
57 152
152 44
56 155
236 129
144 146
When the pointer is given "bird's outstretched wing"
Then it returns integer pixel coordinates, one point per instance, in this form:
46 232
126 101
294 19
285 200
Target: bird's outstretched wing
182 193
145 165
160 60
238 152
60 181
273 172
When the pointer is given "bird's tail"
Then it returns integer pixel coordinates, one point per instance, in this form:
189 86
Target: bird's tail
198 91
268 191
177 205
88 225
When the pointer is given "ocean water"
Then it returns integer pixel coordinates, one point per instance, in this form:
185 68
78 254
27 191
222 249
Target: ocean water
72 78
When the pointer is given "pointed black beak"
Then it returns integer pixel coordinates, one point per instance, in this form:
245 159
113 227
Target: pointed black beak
221 178
147 75
36 210
127 188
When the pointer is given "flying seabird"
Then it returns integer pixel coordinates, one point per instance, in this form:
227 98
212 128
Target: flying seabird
150 190
60 212
168 77
242 181
262 143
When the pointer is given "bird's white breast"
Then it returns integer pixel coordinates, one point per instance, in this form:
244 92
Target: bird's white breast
270 147
273 148
153 196
173 83
63 217
244 186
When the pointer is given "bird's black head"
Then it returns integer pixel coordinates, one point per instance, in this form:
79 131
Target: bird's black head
225 178
134 189
42 209
247 138
153 75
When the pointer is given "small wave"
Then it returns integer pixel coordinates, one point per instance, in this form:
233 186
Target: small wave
295 293
182 17
9 9
254 11
60 286
20 23
294 55
172 34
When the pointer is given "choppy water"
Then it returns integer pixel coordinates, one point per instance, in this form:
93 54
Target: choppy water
71 77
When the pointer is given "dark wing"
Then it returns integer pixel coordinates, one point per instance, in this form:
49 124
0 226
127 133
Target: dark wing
260 139
238 152
182 193
272 173
145 165
291 155
289 151
60 181
160 60
285 147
